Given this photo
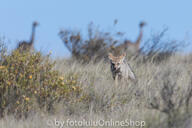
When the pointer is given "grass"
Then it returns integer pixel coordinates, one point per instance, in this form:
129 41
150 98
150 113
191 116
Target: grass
161 97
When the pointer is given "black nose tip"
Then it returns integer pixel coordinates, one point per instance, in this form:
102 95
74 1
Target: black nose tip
116 68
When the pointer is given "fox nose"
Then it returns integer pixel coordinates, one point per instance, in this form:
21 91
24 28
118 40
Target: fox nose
116 67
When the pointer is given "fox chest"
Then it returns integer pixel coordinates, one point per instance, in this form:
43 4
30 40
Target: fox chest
116 73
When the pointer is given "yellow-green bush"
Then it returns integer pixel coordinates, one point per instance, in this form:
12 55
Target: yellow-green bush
28 82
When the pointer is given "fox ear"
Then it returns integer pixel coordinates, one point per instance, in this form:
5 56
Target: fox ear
123 56
110 56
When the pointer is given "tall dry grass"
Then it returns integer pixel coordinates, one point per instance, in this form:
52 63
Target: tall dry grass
161 97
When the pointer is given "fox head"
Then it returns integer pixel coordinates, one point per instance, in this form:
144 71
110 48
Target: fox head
116 61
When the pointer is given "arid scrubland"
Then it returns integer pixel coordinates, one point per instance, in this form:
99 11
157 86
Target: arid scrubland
161 96
37 91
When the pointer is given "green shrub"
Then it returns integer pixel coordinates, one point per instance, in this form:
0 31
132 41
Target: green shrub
28 82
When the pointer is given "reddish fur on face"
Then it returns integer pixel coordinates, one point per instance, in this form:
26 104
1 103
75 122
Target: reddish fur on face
116 60
120 68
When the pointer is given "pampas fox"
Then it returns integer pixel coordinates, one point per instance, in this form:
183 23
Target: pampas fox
120 68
